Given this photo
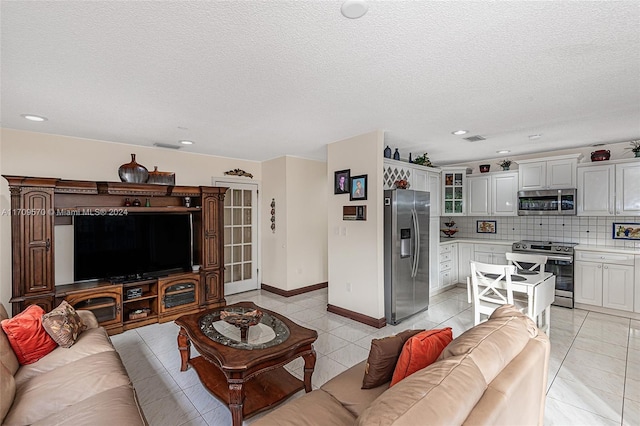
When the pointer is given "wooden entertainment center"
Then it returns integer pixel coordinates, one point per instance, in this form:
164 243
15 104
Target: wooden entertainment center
39 204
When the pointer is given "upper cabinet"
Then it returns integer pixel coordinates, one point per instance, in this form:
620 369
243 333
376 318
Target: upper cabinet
454 193
548 173
492 194
609 189
628 189
420 178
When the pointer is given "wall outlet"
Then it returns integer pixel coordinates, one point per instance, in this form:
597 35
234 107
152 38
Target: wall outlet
348 287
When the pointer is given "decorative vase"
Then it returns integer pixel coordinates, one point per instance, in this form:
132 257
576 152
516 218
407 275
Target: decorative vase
133 172
505 168
387 152
637 153
410 158
396 155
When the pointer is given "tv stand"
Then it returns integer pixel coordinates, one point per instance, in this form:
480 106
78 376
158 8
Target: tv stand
39 204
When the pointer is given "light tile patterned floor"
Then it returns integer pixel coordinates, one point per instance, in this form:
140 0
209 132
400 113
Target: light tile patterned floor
594 372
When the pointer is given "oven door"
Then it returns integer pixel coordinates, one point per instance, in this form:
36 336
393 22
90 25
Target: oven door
562 268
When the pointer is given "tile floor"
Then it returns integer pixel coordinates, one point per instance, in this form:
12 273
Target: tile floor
594 372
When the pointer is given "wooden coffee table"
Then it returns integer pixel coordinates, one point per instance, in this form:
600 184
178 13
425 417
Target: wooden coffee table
247 376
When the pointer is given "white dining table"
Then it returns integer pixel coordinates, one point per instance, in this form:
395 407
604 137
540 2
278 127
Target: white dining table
540 289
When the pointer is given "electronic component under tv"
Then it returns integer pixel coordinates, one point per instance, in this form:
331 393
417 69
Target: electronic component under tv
141 245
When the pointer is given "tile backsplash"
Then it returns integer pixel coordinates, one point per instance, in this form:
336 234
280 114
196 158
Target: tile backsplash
570 229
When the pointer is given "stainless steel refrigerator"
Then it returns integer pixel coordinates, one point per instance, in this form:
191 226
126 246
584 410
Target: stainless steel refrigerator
406 253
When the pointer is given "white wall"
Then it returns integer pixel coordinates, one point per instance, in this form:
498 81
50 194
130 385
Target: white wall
306 222
274 244
295 255
356 247
38 154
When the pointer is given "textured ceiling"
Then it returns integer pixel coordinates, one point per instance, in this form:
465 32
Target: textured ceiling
261 79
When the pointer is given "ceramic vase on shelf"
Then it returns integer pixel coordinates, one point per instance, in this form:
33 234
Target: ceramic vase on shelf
387 152
396 155
133 172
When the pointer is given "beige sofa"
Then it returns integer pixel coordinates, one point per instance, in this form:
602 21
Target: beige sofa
493 374
85 384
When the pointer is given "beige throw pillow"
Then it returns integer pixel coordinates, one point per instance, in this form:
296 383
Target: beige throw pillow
63 324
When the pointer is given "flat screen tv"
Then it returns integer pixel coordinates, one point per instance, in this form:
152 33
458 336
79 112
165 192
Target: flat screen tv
122 247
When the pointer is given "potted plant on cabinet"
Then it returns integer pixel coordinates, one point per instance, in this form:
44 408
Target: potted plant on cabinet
505 164
635 147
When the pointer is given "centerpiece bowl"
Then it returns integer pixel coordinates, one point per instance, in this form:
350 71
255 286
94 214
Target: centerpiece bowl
242 321
449 232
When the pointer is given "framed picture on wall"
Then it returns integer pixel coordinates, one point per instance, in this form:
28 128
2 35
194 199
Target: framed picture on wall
486 226
341 181
626 231
358 188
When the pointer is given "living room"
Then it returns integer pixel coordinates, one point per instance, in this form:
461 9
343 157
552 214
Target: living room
293 166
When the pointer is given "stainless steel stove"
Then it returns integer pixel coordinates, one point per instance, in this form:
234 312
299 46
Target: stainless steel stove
559 262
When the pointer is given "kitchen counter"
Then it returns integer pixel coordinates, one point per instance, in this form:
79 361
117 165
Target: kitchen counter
444 241
607 249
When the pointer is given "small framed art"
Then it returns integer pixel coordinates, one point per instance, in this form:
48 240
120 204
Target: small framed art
358 188
341 181
626 231
486 226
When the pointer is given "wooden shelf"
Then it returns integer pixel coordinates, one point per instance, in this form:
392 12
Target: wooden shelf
143 297
121 210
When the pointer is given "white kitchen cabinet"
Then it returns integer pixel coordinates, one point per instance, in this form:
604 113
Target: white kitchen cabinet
434 254
628 189
434 187
491 253
605 279
448 264
504 194
479 195
548 173
596 190
454 192
588 283
609 190
466 254
394 170
494 194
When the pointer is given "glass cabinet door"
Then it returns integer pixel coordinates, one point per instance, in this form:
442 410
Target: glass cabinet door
453 192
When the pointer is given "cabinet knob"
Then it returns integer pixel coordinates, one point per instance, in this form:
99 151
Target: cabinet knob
599 266
606 267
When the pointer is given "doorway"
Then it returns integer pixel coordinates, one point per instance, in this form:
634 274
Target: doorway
240 236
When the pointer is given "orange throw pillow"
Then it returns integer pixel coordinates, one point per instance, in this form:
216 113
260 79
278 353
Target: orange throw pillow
420 351
27 336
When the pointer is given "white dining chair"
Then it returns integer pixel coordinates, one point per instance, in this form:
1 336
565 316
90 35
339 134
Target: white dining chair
490 288
537 264
522 260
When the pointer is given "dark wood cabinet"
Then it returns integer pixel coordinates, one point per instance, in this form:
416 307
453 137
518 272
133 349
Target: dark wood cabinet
105 303
177 295
213 289
38 204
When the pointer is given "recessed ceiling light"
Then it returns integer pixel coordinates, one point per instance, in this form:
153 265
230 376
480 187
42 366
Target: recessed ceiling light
186 142
534 137
354 9
460 132
32 117
503 151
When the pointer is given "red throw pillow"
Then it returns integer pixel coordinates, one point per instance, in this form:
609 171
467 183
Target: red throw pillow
420 351
27 336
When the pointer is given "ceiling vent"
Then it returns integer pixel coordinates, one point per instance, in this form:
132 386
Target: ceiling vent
475 138
166 145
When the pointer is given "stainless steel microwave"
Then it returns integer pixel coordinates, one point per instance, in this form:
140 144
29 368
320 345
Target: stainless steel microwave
547 202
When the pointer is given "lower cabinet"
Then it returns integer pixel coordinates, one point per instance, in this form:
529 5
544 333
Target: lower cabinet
448 264
104 302
491 253
605 279
177 294
466 253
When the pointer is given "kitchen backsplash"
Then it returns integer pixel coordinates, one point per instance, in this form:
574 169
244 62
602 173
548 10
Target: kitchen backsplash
569 229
